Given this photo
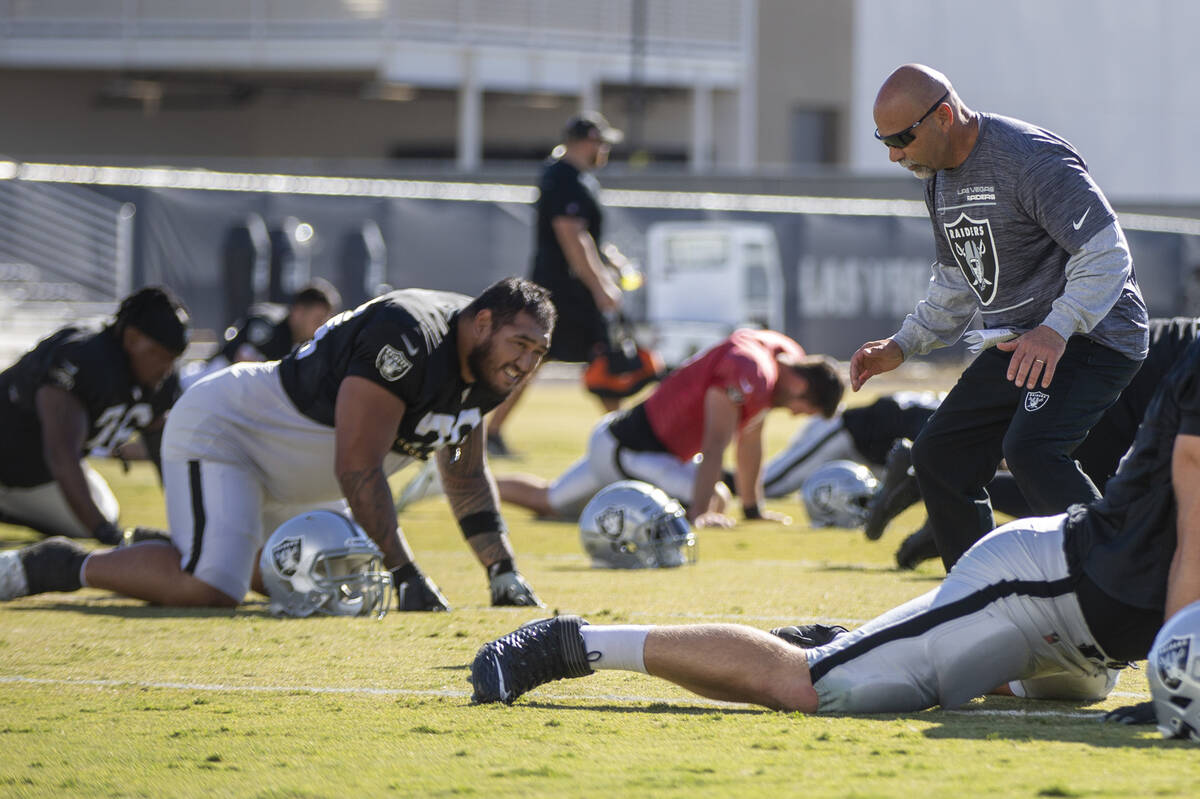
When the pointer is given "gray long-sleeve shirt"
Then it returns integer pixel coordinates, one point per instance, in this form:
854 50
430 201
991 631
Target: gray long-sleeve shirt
1024 238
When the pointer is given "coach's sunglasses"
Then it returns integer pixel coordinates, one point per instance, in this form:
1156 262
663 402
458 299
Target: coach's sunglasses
905 137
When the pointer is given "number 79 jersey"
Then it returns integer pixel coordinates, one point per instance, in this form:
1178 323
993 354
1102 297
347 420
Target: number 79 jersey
407 342
92 366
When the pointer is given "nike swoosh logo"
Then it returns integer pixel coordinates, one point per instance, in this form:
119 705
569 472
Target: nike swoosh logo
499 678
1079 224
413 350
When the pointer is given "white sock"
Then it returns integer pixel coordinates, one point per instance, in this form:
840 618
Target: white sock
615 646
12 576
83 568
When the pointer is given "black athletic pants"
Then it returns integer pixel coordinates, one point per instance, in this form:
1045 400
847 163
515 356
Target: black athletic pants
985 418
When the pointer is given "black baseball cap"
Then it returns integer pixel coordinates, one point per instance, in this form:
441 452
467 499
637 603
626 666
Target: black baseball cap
591 125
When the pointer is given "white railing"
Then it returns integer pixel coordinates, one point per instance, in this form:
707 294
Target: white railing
667 26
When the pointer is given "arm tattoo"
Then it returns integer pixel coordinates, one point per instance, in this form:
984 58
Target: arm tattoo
468 482
370 500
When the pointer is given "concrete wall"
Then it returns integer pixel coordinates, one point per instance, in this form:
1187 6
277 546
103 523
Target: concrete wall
1115 78
805 61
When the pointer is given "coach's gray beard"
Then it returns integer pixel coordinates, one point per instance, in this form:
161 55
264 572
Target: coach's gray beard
920 171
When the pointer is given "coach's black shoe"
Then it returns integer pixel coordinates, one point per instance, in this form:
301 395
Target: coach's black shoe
898 491
419 593
917 548
541 651
809 636
1140 713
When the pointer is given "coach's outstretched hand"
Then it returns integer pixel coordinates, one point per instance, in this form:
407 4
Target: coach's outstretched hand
874 358
1141 713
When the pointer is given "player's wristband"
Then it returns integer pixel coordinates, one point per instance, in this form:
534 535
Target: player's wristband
752 512
485 521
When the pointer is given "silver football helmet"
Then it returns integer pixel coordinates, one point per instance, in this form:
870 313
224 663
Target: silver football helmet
322 562
1174 673
634 525
838 494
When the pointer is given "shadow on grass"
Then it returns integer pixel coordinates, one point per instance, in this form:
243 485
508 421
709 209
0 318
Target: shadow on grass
654 708
130 611
1018 721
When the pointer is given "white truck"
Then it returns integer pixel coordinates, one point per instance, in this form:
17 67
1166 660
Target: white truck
704 279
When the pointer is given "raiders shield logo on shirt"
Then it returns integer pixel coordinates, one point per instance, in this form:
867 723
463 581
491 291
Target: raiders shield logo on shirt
286 556
392 363
1172 660
975 253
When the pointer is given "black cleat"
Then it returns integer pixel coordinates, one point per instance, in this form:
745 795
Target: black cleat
917 548
419 593
898 491
809 636
541 651
1140 713
53 565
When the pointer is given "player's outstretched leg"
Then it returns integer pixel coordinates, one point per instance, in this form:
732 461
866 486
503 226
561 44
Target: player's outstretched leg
541 651
898 492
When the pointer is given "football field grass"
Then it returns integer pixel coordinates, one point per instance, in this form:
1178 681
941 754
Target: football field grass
102 696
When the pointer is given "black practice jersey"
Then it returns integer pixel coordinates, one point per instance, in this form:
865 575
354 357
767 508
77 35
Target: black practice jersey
93 367
564 191
263 335
1125 541
875 427
407 342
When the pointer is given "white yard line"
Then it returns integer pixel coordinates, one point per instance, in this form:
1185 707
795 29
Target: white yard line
453 693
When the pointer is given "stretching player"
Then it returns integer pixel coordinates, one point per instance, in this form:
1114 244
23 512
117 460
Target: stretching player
85 390
270 330
1064 597
865 435
721 394
408 375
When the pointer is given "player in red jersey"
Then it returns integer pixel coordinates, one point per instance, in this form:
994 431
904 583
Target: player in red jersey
720 395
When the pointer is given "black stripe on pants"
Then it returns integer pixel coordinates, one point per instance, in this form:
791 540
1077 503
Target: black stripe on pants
198 517
940 614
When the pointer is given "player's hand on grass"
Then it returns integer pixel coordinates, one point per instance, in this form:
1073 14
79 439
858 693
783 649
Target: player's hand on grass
713 519
1141 713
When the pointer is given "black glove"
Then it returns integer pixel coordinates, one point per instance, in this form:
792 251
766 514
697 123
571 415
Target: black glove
511 588
1141 713
809 636
415 591
136 535
107 533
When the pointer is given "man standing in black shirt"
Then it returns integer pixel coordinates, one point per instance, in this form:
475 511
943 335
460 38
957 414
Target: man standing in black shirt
1052 603
569 259
408 375
82 390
